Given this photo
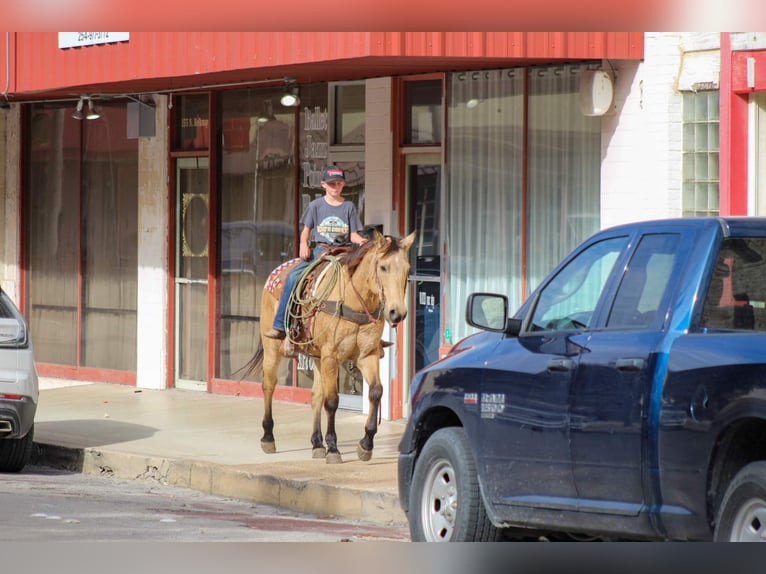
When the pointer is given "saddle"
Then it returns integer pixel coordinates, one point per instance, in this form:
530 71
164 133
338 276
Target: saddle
307 283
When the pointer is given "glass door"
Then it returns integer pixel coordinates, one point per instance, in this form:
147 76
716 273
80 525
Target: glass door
423 190
191 271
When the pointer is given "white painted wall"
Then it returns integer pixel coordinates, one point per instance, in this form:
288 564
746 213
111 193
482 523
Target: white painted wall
378 201
641 161
153 217
642 138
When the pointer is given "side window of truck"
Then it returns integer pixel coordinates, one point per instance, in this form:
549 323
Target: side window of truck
569 299
645 282
736 296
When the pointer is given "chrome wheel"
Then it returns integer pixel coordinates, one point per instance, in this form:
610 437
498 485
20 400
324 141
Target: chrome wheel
750 522
439 502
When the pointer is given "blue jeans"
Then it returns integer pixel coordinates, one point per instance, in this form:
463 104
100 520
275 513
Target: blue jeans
290 281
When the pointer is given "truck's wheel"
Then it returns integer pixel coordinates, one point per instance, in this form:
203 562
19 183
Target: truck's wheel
742 513
445 502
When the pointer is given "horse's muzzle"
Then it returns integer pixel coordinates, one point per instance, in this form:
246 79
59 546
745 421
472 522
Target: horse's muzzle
394 317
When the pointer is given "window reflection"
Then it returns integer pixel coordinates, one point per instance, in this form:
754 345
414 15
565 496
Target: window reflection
256 184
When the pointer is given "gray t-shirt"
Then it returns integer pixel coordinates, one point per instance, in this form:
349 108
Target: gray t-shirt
330 221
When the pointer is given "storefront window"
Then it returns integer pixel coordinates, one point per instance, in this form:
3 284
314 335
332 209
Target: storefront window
192 127
423 112
81 197
316 153
349 114
485 185
257 213
563 169
484 191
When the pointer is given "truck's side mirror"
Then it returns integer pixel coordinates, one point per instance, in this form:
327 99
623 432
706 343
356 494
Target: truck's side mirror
489 312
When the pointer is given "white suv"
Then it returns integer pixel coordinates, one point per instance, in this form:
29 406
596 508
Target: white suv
18 388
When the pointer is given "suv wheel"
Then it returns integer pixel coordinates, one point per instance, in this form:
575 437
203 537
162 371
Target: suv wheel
742 513
16 452
445 502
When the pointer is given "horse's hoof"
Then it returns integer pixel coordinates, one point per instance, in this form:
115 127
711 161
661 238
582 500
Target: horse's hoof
319 452
269 447
363 454
333 458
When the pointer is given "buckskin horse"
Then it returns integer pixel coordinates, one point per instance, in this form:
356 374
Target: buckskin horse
341 313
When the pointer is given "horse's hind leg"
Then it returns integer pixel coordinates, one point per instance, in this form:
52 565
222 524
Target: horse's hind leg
370 368
317 399
329 375
271 360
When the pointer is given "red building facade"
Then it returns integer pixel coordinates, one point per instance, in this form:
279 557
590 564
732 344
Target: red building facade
145 236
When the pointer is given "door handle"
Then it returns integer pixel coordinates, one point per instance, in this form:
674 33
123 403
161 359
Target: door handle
630 364
561 365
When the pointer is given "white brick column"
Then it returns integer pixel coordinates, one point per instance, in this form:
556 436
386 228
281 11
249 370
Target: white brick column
378 162
153 267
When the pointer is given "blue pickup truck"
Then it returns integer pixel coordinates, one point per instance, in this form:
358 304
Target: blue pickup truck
625 399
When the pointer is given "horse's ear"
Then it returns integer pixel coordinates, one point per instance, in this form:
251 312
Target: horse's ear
407 242
379 239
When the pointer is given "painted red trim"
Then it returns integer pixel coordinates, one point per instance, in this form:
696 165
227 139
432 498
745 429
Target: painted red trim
249 389
733 134
524 181
213 340
171 269
86 374
193 59
739 71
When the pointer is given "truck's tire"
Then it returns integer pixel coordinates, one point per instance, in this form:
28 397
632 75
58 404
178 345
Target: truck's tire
16 452
445 502
741 516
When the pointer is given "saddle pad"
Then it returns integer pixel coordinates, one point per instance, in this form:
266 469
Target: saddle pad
277 278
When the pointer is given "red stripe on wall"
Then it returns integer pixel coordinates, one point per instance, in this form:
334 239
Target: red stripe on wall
733 135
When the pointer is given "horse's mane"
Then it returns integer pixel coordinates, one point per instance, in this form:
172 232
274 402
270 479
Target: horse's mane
354 258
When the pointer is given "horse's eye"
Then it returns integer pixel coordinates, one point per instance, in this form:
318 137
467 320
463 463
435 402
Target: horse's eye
384 268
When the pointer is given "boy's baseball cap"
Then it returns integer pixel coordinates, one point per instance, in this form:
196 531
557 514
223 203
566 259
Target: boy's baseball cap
333 173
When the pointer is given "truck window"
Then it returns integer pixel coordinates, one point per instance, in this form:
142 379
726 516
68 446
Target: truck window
736 296
569 299
644 283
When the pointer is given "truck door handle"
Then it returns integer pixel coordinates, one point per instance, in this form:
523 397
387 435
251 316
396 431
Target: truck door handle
630 364
561 365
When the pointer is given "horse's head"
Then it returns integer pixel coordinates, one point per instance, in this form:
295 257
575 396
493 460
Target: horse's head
392 269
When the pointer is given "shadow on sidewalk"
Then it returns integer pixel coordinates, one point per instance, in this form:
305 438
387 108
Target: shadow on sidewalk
87 433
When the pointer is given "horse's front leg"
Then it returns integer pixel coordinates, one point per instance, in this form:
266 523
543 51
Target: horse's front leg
370 368
329 374
317 400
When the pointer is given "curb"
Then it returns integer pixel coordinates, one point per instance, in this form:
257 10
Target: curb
251 484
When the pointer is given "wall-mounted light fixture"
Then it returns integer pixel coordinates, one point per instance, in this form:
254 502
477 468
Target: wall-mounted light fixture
78 115
290 97
92 113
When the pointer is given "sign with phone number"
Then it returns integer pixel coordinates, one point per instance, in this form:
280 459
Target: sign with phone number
77 39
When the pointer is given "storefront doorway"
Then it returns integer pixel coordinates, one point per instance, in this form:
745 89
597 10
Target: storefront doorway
191 272
423 189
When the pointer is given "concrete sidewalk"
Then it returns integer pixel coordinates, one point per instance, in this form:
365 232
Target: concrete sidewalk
211 443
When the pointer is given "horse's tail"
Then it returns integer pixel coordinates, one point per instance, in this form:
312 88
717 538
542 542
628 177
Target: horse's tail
254 365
